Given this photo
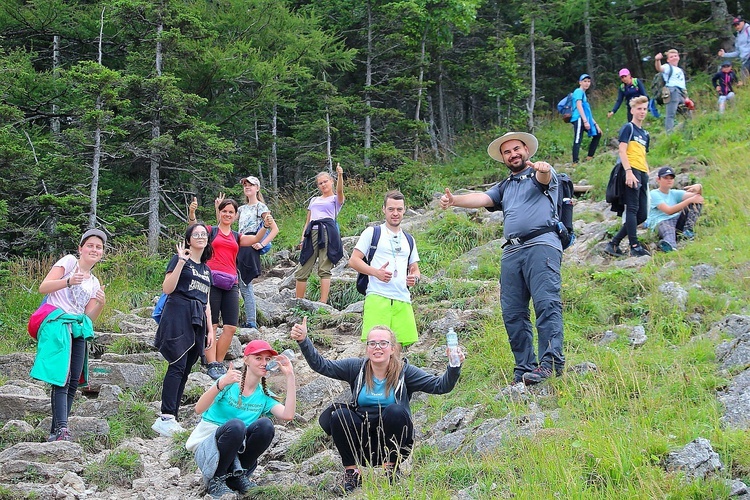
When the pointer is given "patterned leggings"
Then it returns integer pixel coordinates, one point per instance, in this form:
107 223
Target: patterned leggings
684 222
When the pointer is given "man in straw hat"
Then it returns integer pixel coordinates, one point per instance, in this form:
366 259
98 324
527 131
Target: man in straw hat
530 265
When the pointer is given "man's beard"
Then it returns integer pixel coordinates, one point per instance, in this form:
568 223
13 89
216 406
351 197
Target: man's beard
519 168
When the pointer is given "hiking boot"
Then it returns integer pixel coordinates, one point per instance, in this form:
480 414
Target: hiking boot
250 324
517 378
241 484
352 480
217 487
167 426
613 250
665 246
63 434
688 234
639 251
537 376
216 370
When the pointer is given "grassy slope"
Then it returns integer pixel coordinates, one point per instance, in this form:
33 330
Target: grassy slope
615 427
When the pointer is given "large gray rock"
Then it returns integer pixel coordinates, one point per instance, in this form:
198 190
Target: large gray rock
734 352
124 375
17 365
20 406
674 293
48 460
736 401
697 460
734 325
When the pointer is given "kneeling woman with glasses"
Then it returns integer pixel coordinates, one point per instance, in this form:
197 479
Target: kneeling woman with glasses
376 426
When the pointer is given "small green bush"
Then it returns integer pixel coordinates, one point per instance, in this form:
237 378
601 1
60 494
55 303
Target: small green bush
118 469
308 444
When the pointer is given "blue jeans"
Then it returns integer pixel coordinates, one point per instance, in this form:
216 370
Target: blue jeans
676 98
533 273
251 313
62 396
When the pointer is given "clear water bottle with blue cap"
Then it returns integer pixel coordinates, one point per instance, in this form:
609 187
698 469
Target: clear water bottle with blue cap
454 356
273 367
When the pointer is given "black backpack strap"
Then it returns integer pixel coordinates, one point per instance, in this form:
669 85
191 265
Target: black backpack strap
410 239
501 189
373 243
215 232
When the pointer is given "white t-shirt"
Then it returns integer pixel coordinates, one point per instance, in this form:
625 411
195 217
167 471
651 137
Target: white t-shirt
73 300
394 249
676 76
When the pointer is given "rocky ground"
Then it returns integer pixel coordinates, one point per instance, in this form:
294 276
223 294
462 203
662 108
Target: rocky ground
55 470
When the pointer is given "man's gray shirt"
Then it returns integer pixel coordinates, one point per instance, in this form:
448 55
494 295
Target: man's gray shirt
526 209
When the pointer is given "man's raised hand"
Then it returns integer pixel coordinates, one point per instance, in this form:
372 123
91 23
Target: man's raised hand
447 199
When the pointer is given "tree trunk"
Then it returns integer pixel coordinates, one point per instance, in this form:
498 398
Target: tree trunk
368 84
420 90
532 54
431 127
274 151
54 124
95 164
154 225
589 43
96 160
444 133
329 154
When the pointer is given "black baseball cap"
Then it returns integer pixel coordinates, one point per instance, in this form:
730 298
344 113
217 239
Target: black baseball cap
665 171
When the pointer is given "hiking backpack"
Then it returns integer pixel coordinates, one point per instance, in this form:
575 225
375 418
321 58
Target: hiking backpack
363 279
563 205
565 107
658 86
635 84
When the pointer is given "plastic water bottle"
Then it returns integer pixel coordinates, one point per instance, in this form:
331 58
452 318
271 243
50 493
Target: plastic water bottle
273 367
454 358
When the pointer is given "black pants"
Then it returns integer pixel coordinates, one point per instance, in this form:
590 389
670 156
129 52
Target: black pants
636 209
175 380
373 438
578 132
62 396
235 439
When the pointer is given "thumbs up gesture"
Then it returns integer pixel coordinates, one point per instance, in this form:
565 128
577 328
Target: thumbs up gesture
447 199
191 209
299 330
383 274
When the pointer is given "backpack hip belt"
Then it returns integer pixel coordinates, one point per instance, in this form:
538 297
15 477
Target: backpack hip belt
533 234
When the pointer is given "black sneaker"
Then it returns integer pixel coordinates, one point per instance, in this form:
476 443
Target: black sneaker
216 370
614 250
240 484
537 376
352 480
639 251
217 487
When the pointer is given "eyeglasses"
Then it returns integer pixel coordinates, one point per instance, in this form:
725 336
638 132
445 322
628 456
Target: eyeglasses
382 344
200 236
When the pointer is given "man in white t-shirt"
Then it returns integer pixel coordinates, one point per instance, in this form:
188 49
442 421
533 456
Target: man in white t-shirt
673 210
394 268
